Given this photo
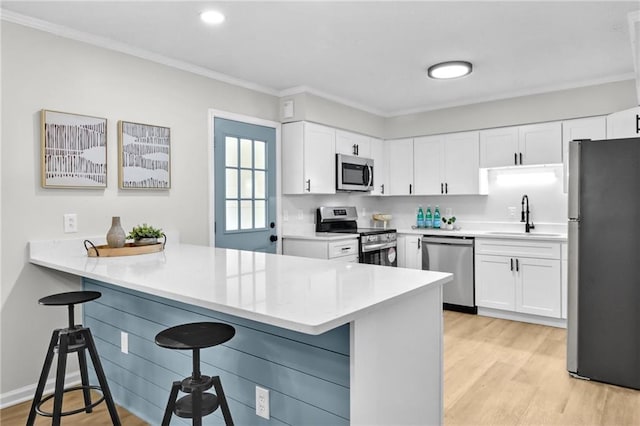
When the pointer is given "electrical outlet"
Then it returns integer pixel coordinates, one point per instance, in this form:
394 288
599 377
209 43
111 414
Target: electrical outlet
70 223
124 342
262 402
512 212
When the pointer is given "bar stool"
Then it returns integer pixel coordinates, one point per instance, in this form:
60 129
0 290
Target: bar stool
197 403
64 341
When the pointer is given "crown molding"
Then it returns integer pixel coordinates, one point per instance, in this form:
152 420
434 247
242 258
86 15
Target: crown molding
106 43
343 101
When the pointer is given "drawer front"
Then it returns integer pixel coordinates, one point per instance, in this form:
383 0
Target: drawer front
343 248
518 248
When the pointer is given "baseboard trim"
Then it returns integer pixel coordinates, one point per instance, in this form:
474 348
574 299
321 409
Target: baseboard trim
516 316
26 393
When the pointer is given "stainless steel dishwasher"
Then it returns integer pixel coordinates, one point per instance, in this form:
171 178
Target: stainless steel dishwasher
454 255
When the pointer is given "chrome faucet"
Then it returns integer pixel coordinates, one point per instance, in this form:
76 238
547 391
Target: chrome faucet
524 215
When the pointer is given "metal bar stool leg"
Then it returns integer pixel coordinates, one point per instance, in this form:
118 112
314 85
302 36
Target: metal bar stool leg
63 348
226 413
196 404
48 360
171 404
84 376
102 379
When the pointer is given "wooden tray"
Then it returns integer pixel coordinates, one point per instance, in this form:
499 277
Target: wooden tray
129 249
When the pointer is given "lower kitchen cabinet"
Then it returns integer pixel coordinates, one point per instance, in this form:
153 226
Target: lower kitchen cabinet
519 276
410 251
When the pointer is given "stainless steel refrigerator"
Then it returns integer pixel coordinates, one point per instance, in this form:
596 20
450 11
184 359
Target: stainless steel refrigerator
603 336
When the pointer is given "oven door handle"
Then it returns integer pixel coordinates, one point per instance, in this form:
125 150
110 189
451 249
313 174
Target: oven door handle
375 247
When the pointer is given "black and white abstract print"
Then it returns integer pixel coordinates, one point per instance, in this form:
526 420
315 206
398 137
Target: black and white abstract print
74 150
145 158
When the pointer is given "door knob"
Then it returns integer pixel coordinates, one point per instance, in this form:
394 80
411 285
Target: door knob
273 238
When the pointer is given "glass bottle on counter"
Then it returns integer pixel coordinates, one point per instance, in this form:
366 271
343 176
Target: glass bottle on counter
420 218
428 222
436 218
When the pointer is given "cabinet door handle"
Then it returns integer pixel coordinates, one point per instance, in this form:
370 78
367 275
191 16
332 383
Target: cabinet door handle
441 188
410 188
511 260
354 150
521 159
517 265
308 185
357 149
515 158
382 188
446 188
637 123
419 243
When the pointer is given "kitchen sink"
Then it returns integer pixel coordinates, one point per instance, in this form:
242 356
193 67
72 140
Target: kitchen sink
523 234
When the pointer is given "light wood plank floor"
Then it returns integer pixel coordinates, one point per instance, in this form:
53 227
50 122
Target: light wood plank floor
497 372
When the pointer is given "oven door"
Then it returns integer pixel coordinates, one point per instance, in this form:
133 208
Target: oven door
386 255
353 173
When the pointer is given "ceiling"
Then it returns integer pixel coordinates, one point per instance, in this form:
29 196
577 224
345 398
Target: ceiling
372 55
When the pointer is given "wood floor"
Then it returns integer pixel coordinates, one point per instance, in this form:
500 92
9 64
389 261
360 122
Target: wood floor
497 372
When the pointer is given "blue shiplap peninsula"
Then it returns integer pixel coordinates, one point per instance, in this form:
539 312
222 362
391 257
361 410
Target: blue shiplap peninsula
334 343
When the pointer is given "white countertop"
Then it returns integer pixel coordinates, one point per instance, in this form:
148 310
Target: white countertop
478 233
321 236
307 295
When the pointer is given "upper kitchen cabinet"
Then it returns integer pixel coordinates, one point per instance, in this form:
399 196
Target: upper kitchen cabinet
380 167
308 158
521 145
447 164
624 124
581 128
400 154
348 143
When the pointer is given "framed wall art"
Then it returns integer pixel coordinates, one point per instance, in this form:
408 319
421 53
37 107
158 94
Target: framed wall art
73 150
144 155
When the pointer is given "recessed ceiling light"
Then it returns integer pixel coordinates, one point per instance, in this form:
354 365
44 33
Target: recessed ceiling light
451 69
212 17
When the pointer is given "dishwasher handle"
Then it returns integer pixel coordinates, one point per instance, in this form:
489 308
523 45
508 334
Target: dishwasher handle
454 241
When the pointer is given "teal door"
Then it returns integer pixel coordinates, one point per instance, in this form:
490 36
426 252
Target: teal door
245 186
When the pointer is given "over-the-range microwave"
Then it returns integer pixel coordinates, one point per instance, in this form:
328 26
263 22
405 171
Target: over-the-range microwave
353 173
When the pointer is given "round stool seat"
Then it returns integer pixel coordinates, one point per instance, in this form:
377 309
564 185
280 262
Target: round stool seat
196 335
70 298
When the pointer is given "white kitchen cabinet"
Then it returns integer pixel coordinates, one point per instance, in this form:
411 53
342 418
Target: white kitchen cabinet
519 275
624 124
409 251
521 145
308 158
400 153
345 250
380 167
349 143
447 164
581 128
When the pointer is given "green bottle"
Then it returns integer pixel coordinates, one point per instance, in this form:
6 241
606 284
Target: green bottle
420 218
436 218
428 222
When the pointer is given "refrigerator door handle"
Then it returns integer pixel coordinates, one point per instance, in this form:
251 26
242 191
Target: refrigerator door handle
574 179
572 295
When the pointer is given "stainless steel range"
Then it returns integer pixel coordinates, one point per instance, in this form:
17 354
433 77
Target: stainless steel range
377 246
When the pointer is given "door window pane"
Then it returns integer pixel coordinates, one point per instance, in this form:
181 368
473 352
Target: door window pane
246 153
259 184
232 183
231 152
246 214
246 184
259 150
260 214
232 215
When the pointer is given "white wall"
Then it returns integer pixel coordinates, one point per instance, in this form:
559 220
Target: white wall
39 71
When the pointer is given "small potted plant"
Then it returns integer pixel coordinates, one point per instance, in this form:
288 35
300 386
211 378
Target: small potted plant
448 223
145 234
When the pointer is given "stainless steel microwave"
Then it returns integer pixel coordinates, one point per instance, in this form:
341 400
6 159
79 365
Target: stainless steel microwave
353 173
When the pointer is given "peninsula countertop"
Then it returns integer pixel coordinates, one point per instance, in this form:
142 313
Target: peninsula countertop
311 296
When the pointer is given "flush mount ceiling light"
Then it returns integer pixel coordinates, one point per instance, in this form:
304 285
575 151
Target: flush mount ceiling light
212 17
451 69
